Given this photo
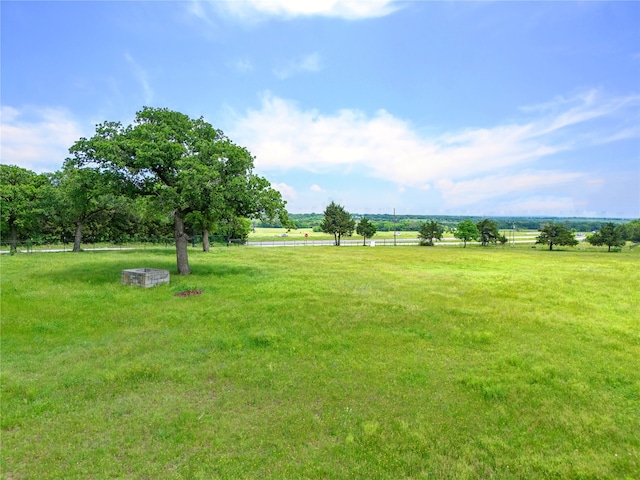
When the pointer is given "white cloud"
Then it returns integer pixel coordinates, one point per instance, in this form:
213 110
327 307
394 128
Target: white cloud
316 188
37 139
253 10
308 63
287 191
469 192
283 136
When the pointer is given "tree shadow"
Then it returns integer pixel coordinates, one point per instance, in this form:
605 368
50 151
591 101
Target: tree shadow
109 271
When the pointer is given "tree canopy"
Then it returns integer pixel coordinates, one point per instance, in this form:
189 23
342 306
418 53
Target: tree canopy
337 222
632 231
488 230
466 231
610 235
366 228
185 164
556 234
84 195
430 231
20 193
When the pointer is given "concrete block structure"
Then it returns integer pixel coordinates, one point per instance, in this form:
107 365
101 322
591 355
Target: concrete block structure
144 277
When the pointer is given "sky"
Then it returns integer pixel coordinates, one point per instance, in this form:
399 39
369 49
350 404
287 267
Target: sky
425 107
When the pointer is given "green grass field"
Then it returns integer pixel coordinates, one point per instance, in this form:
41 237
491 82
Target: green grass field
323 362
300 234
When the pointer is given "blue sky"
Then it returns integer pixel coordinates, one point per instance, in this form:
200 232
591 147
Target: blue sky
465 108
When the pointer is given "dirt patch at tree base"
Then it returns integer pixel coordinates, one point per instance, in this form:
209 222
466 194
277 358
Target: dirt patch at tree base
188 293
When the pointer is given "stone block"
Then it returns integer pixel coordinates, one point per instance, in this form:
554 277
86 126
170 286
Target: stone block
144 277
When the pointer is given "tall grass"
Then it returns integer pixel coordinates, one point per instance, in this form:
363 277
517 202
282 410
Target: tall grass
323 363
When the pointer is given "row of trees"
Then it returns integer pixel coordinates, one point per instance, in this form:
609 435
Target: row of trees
76 205
339 223
609 235
404 223
164 169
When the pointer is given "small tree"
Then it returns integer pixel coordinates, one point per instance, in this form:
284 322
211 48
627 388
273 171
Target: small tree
609 235
556 234
366 229
429 231
488 230
85 195
466 231
337 221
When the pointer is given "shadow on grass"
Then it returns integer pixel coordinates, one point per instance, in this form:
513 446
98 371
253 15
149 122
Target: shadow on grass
106 268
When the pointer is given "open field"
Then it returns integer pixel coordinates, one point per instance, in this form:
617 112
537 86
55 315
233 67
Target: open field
328 362
300 234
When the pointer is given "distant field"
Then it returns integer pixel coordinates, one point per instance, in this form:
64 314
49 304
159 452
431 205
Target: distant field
301 234
325 362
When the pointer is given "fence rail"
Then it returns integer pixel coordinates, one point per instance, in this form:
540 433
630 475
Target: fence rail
31 246
382 242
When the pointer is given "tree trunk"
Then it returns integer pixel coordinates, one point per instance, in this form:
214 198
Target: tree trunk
550 245
465 243
205 240
364 241
181 244
78 238
13 239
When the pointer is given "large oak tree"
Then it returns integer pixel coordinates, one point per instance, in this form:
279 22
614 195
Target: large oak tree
186 165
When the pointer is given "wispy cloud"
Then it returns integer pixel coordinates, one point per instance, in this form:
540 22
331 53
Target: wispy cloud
316 188
307 63
287 191
196 8
486 187
243 66
142 77
37 138
541 205
256 10
458 163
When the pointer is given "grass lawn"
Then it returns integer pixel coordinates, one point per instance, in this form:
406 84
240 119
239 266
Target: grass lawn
325 362
271 234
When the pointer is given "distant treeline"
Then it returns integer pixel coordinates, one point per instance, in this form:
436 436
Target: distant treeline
403 223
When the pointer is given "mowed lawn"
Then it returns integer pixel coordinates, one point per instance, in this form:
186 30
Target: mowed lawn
323 362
